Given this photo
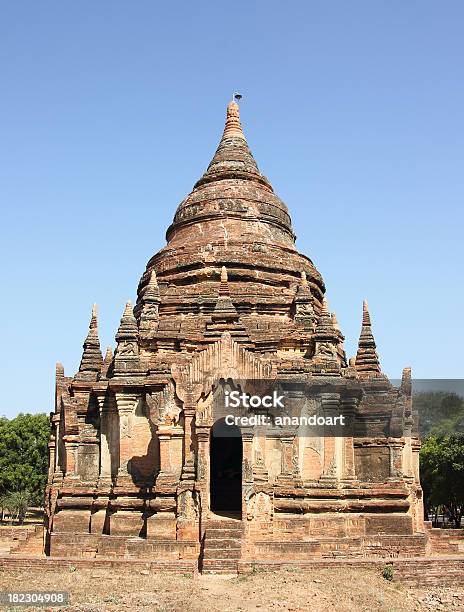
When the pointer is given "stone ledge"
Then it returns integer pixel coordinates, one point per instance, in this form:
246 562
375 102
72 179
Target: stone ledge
51 563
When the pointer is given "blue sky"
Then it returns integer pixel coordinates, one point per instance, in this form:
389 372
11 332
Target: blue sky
110 111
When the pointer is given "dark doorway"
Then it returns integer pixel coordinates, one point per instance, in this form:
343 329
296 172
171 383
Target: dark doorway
226 468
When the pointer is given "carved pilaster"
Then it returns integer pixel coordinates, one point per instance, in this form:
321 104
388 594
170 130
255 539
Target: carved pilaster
396 459
348 466
188 465
166 433
202 436
260 473
247 459
126 403
71 446
105 452
290 472
330 470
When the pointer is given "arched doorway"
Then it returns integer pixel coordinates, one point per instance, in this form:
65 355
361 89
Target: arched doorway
225 468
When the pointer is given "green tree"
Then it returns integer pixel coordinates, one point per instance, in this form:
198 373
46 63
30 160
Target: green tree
442 474
16 505
23 457
440 413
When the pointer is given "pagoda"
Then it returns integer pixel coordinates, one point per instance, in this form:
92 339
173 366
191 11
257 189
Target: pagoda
137 468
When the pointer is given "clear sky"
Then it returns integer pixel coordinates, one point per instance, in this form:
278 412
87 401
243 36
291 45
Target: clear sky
111 110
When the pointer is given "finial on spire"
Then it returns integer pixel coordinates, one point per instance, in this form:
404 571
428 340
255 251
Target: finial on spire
233 127
93 326
94 315
224 277
366 316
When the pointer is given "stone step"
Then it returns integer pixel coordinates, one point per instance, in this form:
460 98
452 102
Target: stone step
218 565
221 572
222 553
223 543
226 524
223 534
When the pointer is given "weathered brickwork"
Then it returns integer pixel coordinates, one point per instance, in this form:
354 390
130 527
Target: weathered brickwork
229 297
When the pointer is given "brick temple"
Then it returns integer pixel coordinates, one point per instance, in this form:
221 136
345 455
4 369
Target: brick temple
135 470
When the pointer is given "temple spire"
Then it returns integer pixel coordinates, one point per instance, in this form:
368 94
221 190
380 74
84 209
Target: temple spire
367 360
91 361
233 159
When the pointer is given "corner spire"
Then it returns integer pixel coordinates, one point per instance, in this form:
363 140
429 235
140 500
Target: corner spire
303 304
151 300
367 360
126 358
92 360
107 361
325 324
128 327
327 358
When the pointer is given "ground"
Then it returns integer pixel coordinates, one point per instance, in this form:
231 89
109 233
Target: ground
341 590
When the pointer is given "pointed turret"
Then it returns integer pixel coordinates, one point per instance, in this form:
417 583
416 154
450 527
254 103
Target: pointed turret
367 361
91 361
152 291
303 304
149 315
107 361
126 357
325 325
128 327
327 357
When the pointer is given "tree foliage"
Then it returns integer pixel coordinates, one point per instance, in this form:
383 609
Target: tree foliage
442 475
440 413
23 458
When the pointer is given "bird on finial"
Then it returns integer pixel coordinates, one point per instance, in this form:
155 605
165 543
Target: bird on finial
236 97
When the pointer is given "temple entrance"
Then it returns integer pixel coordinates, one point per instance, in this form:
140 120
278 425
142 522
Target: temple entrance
225 468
